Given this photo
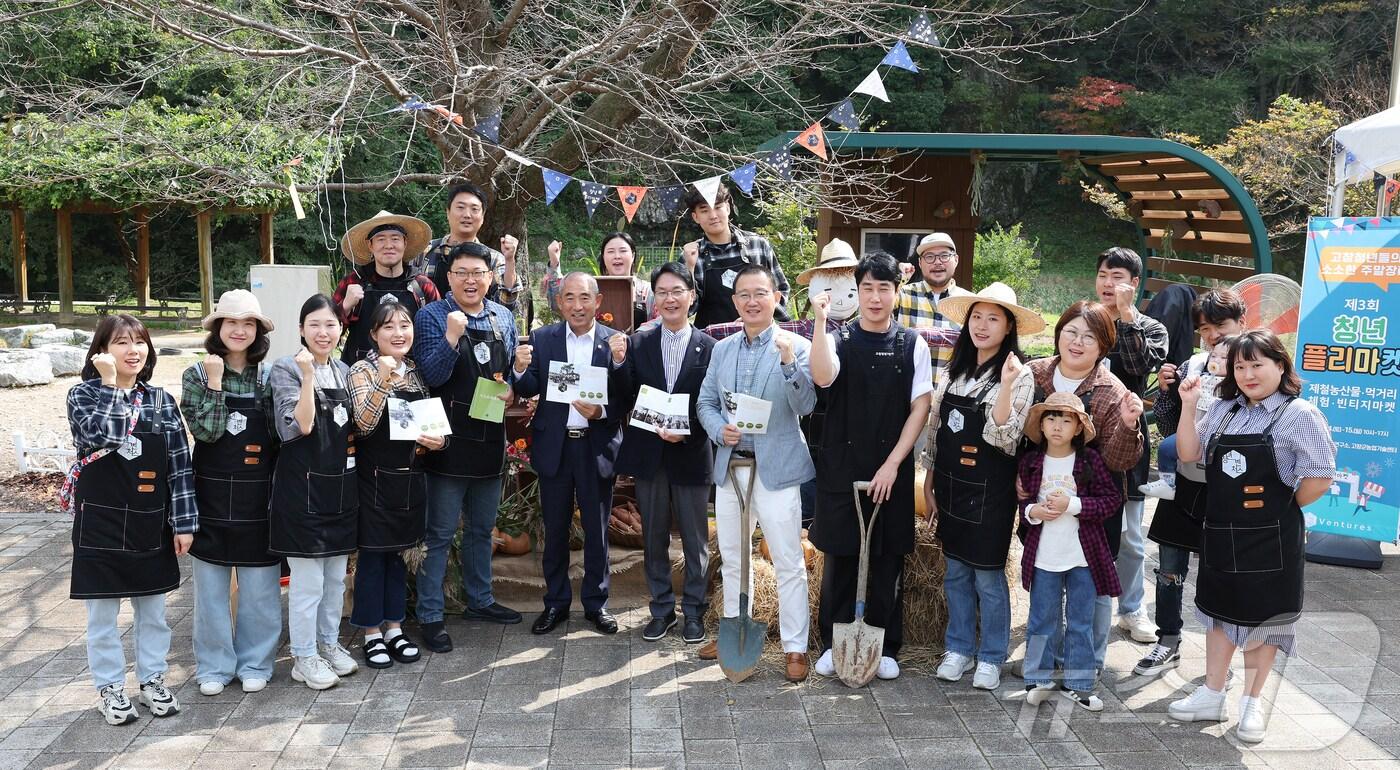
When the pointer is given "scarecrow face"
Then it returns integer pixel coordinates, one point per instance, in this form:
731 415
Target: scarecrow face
842 285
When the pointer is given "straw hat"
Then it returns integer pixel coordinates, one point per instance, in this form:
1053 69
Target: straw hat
956 308
417 233
935 239
1060 402
237 303
836 255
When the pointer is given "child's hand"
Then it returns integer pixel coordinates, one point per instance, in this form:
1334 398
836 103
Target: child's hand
1058 501
1045 512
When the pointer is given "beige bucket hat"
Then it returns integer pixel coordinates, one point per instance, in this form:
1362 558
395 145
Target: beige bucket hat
237 303
1059 402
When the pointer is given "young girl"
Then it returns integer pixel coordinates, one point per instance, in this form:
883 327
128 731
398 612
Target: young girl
1211 373
314 493
226 403
393 493
1065 565
131 494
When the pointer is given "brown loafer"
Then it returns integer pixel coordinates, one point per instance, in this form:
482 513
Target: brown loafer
796 666
710 650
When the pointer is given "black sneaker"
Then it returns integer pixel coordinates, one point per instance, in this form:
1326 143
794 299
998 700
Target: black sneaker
656 629
693 632
434 638
1085 700
1158 660
493 613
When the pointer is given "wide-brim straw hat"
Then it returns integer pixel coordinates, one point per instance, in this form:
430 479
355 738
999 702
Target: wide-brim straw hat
237 303
955 309
1059 402
836 255
417 233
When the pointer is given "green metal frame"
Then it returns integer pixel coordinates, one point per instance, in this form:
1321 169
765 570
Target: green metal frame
1024 147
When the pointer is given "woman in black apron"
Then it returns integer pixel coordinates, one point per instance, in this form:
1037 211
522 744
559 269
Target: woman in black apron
617 257
1267 454
226 403
314 494
979 410
131 494
393 490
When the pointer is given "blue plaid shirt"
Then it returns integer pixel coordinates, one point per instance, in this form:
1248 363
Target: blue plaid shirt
431 352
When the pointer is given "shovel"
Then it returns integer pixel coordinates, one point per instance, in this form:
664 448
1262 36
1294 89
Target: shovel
855 646
741 638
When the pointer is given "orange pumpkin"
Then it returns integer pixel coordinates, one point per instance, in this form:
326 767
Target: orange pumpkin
515 545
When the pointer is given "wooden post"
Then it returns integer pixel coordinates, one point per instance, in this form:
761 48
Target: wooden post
21 263
265 237
206 263
65 266
143 258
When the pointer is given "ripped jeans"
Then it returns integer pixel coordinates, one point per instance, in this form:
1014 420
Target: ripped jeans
1173 564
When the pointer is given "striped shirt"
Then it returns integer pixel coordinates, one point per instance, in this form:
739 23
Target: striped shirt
751 353
673 352
1303 447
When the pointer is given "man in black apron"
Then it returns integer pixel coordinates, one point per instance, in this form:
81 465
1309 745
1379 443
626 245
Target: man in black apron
466 215
377 246
458 342
717 258
878 400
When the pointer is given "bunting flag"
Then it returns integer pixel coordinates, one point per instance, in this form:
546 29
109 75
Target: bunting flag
921 31
899 57
630 198
780 160
709 188
873 86
813 139
554 183
744 176
844 115
413 104
1391 188
447 114
670 198
489 128
593 194
518 158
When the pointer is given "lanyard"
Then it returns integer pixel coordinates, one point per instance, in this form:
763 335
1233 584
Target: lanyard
65 494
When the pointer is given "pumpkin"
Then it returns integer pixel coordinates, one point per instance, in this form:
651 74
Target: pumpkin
514 545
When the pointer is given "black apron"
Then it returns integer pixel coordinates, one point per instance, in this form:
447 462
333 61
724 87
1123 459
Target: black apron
974 484
869 404
1178 522
123 544
477 448
1251 570
232 482
717 293
404 289
393 488
314 494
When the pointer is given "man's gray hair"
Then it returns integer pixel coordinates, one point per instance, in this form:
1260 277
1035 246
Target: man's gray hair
589 281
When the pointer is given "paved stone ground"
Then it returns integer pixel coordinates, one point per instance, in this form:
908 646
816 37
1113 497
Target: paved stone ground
506 698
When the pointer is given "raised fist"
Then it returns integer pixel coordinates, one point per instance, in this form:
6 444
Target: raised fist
524 354
386 366
1190 390
214 371
106 365
820 304
305 362
618 345
456 325
691 253
783 342
1011 369
1130 409
353 294
509 243
553 250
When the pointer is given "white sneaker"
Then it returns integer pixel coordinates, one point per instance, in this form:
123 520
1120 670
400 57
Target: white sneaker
1158 488
254 684
315 672
988 676
339 658
954 666
1138 626
158 698
115 707
1037 694
1085 700
825 666
1253 722
888 668
1202 705
211 687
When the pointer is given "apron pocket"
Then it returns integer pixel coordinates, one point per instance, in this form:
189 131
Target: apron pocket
330 493
236 500
110 528
962 500
463 424
399 490
1239 548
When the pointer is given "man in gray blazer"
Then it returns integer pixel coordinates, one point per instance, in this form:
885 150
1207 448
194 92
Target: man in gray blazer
770 364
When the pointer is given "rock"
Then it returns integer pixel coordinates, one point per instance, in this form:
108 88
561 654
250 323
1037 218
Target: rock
53 337
18 336
82 337
66 360
23 368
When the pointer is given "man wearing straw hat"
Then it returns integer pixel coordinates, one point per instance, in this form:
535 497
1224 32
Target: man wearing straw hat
377 246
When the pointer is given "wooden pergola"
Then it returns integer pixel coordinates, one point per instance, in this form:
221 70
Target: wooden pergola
142 280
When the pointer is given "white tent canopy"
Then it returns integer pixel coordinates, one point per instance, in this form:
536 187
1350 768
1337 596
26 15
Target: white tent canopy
1364 148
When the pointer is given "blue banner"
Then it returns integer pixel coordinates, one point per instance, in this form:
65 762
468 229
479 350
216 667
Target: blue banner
1350 365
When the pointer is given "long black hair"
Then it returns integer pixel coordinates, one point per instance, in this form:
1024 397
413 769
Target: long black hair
964 362
312 304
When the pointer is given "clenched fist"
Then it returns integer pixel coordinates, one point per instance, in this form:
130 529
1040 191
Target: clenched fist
353 294
524 354
553 250
386 366
456 326
783 342
618 345
214 371
305 362
1010 370
820 304
1130 409
106 366
1123 295
691 253
1165 377
1190 391
509 244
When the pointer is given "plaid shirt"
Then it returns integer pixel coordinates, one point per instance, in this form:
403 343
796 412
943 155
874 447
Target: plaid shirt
1099 498
1119 444
98 416
206 412
439 248
435 359
367 393
1006 437
918 308
352 278
749 247
1140 349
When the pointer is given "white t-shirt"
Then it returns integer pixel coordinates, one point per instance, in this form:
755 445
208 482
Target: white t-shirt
1059 549
1064 384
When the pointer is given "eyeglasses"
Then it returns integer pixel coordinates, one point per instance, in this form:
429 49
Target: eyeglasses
671 293
475 275
760 295
929 259
1086 338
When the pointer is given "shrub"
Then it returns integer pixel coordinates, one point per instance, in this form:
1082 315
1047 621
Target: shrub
1006 256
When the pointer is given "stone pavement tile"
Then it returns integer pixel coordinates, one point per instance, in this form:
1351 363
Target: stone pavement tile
873 763
713 750
445 749
445 687
841 708
14 759
798 756
441 716
593 713
92 734
755 697
1016 762
513 730
305 758
708 703
193 719
28 738
771 727
1003 744
1139 760
318 735
656 740
908 692
609 746
707 727
352 689
287 701
590 684
985 721
100 761
507 758
519 698
645 717
1100 736
174 752
1320 759
855 741
253 734
1065 754
942 753
656 697
659 762
365 745
593 657
937 722
967 700
331 714
1356 747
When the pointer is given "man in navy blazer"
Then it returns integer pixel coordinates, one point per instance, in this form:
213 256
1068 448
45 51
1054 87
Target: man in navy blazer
672 470
573 449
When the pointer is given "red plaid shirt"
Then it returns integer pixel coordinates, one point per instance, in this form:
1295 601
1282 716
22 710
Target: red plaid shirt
1099 498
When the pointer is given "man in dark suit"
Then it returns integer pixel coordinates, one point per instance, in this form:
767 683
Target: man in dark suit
672 471
573 449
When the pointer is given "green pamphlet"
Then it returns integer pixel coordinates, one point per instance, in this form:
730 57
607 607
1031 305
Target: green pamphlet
486 401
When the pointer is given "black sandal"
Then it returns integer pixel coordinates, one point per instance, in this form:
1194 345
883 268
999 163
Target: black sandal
403 650
375 648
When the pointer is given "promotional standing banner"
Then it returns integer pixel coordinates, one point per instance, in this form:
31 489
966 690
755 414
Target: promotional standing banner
1349 359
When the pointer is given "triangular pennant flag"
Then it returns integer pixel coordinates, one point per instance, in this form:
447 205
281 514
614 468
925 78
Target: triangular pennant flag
899 57
844 115
1375 220
447 114
414 103
921 30
873 86
1338 222
593 194
744 175
781 162
630 198
813 139
489 128
709 188
1349 228
669 197
1324 233
554 183
518 158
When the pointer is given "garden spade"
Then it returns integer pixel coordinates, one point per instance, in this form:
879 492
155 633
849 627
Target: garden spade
741 638
856 646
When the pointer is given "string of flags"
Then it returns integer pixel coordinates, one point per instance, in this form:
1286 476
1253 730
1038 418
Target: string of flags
1323 227
813 139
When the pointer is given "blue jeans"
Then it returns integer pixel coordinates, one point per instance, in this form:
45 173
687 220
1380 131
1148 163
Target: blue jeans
1166 455
1069 596
315 600
381 589
451 499
247 650
149 635
969 590
1131 557
1103 623
1173 565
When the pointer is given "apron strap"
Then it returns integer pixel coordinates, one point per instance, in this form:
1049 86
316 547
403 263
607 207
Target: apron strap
70 479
